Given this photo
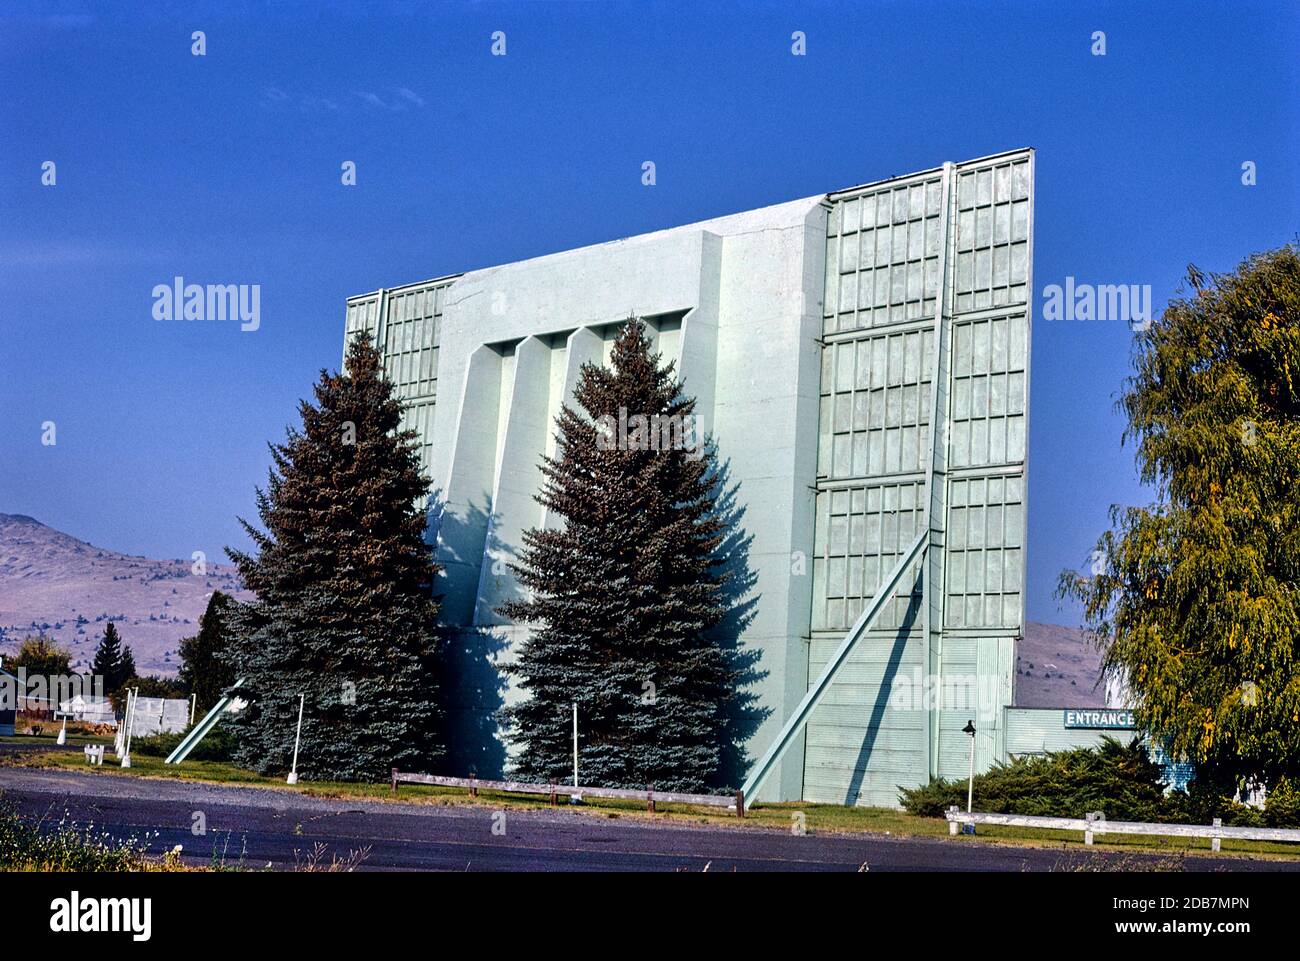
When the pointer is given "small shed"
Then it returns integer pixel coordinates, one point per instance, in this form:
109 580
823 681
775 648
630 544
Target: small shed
92 710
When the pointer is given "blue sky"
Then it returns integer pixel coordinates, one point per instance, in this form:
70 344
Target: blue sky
225 169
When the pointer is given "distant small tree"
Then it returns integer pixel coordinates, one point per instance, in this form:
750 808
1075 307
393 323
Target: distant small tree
152 685
203 672
111 660
41 655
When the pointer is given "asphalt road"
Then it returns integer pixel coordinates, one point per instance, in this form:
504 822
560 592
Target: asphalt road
266 827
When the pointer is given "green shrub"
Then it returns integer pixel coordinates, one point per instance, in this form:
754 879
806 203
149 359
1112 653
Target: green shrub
1119 780
1282 807
1209 797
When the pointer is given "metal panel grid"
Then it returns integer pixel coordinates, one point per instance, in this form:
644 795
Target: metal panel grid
882 257
992 266
419 418
411 336
988 392
875 405
362 314
984 552
885 251
406 324
861 533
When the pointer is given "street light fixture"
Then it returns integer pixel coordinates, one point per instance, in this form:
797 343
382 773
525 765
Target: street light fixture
970 783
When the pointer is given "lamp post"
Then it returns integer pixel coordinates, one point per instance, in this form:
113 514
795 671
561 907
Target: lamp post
132 696
293 771
970 782
575 797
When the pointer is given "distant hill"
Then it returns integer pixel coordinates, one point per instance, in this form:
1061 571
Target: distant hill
52 583
1057 667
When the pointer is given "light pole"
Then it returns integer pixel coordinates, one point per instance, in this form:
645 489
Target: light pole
574 796
293 771
132 696
970 783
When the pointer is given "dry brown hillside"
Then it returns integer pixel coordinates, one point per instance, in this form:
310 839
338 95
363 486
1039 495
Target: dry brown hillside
51 582
1057 667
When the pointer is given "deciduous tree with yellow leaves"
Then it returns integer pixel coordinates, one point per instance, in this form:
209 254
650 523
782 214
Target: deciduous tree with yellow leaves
1196 597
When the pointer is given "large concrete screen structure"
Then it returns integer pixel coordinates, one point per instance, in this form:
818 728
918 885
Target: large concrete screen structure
861 358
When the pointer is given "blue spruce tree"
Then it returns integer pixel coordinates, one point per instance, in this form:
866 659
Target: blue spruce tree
625 595
344 610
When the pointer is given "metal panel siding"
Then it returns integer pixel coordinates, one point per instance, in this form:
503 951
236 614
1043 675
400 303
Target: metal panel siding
410 340
860 534
859 749
885 301
362 314
1039 730
406 326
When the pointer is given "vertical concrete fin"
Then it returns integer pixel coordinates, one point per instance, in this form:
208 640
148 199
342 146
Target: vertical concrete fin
518 477
584 346
462 518
697 354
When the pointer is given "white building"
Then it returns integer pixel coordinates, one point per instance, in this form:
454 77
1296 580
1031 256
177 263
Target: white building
822 338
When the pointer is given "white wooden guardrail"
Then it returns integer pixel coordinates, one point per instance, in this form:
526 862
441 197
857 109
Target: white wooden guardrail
1095 823
734 802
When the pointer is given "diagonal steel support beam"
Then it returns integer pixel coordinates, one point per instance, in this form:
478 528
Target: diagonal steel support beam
884 593
202 729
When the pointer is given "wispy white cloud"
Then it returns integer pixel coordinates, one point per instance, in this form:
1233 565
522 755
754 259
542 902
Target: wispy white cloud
274 97
411 95
371 99
402 98
75 254
393 100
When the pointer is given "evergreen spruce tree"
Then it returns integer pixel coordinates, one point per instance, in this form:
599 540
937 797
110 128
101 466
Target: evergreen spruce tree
343 579
108 661
127 667
625 594
203 672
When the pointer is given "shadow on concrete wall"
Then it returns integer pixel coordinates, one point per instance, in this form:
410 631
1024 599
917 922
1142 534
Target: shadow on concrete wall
473 688
741 716
882 695
498 584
